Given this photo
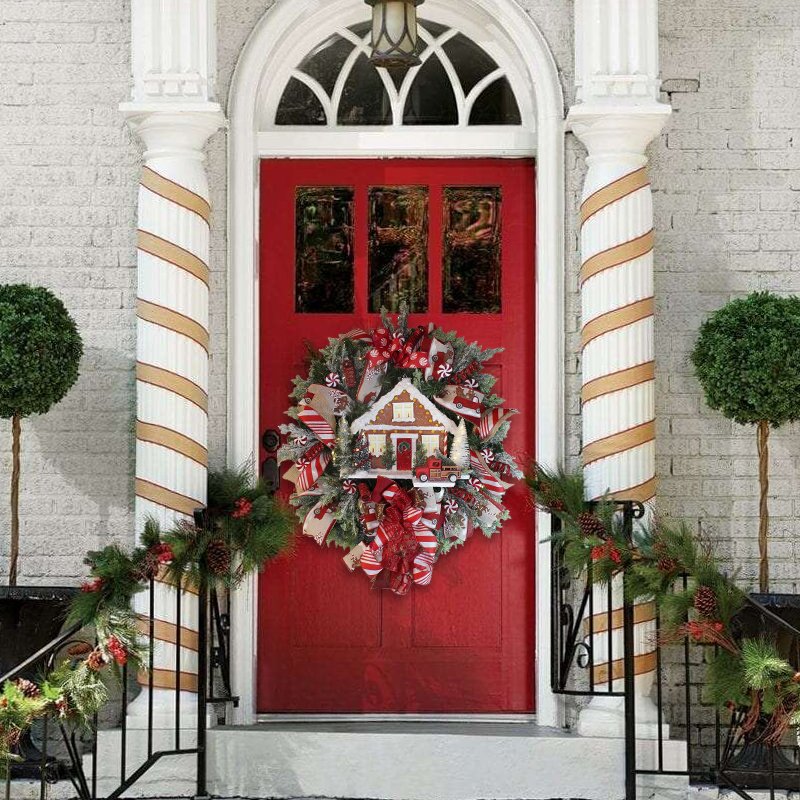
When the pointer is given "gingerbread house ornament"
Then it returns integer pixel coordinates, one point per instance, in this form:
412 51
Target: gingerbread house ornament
397 426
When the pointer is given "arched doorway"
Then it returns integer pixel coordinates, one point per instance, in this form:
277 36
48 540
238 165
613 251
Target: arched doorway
303 89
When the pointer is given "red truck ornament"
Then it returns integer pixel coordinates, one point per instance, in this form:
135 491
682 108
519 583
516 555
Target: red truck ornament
435 472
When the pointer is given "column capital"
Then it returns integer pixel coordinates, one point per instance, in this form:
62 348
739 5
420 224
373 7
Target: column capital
618 131
180 131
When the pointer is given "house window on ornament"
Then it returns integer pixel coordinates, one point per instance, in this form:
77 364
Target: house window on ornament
432 445
403 412
377 444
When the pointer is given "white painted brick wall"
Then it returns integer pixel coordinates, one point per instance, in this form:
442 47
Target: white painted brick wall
727 180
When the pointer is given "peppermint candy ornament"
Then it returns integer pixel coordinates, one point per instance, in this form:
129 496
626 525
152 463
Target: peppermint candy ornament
333 380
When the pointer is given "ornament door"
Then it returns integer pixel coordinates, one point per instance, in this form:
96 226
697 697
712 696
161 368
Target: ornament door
404 454
455 240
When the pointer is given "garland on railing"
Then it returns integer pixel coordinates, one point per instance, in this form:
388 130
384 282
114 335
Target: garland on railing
243 528
743 673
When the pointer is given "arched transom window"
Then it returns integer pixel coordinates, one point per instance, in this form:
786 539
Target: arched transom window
458 84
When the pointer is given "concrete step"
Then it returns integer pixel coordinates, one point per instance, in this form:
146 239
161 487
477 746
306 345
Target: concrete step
386 761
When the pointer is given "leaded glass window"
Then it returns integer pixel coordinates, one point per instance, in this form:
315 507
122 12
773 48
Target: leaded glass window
457 84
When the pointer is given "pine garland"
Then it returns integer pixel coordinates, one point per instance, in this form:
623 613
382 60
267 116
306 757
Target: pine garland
745 674
242 517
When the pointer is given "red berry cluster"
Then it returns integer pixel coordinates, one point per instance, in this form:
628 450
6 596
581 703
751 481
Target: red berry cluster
163 553
92 586
243 507
606 550
118 651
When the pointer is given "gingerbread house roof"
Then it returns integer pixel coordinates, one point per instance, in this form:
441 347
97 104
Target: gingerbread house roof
405 385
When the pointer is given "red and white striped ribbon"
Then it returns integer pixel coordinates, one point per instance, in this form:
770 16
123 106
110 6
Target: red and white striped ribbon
482 472
321 428
311 467
490 421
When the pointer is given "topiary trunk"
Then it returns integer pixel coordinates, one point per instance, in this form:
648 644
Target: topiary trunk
763 509
16 430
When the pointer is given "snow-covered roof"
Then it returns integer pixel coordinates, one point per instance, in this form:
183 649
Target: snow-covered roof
416 395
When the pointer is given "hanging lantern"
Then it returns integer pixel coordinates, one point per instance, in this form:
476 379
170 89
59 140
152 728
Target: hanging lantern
395 44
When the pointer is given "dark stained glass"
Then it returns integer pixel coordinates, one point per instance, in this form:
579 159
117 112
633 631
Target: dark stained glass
472 249
324 271
431 100
299 106
364 100
434 28
325 62
496 106
471 62
398 248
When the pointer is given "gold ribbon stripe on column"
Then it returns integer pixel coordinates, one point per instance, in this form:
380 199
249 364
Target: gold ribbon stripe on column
643 663
617 255
642 493
172 440
619 318
173 254
166 679
168 632
643 612
617 381
172 382
619 442
174 321
161 496
622 187
176 193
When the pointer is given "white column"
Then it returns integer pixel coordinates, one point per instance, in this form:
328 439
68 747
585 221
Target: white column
173 113
616 117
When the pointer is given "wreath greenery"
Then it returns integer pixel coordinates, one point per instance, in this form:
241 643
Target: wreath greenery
353 374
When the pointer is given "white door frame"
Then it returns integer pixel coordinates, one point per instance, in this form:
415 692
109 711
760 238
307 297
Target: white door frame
281 39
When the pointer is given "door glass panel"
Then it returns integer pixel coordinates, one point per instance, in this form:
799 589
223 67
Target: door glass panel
324 264
398 248
472 249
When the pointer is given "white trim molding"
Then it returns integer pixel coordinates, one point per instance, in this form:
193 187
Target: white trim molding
289 30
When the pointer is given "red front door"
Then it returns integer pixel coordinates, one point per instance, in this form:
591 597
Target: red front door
454 239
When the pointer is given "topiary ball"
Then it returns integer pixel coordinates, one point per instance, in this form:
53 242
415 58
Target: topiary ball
40 350
747 359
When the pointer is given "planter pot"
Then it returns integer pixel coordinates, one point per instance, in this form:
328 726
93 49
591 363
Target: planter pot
756 765
30 617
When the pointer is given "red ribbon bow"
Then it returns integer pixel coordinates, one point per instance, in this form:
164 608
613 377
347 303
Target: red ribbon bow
403 353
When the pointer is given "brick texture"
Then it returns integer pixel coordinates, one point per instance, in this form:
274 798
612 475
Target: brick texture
726 175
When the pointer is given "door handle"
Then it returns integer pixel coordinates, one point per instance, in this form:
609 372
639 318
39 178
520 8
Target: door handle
271 440
270 474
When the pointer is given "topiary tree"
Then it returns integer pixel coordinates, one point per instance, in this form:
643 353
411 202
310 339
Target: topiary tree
40 350
748 362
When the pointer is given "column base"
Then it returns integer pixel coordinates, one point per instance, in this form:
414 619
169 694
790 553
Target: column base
604 717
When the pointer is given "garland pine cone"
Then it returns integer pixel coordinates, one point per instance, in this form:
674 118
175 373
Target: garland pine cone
218 557
591 525
705 602
667 565
28 688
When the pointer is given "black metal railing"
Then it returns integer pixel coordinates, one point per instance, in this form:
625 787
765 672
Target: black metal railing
64 748
704 745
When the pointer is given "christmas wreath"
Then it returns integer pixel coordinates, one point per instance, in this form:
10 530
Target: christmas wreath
397 449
